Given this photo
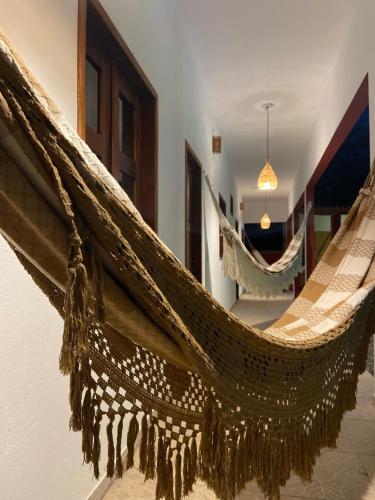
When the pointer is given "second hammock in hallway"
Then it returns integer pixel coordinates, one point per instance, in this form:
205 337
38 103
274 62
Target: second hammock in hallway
249 268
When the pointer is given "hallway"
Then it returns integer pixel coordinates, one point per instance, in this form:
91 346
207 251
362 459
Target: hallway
157 158
346 473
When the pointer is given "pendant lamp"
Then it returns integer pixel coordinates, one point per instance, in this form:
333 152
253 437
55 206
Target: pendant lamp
267 179
265 221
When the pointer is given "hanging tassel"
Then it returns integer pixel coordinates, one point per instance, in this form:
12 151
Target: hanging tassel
132 436
150 466
143 446
111 447
88 417
161 484
169 480
188 484
75 336
194 460
96 444
119 464
178 479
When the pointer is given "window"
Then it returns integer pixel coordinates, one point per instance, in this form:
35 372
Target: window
223 207
117 109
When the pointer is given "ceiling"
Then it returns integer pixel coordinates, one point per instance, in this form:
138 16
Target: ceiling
249 52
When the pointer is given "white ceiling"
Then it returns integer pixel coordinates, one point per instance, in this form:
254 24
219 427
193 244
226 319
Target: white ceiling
253 51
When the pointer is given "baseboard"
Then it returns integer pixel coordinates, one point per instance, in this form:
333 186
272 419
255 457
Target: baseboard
101 488
104 483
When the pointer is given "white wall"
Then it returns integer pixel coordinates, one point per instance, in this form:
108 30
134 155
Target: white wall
40 458
355 60
277 208
183 115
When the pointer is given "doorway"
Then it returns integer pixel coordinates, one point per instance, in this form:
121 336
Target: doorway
193 213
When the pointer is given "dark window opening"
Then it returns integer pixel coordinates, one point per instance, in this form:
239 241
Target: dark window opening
193 213
339 185
223 207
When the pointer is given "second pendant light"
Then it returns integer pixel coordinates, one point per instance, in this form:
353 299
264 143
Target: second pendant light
267 180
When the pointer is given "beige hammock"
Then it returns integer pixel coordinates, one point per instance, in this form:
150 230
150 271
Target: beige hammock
248 267
211 397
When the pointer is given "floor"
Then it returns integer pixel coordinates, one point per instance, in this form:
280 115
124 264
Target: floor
346 473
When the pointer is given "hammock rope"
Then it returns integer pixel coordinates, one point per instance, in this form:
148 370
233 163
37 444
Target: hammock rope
249 268
148 349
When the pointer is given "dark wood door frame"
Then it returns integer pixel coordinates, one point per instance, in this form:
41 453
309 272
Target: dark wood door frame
358 105
236 226
299 209
190 156
147 199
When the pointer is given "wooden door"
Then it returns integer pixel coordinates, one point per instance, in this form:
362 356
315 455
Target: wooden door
193 225
118 109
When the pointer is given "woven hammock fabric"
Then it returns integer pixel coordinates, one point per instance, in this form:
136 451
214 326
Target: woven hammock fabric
148 350
249 268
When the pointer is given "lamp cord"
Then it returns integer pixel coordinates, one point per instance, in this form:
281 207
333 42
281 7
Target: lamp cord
268 128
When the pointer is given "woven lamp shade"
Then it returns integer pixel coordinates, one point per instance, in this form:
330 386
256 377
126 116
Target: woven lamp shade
267 179
265 221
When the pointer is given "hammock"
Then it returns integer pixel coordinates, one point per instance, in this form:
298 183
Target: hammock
148 349
249 268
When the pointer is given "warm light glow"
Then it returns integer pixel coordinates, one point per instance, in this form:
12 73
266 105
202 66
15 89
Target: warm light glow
267 179
265 221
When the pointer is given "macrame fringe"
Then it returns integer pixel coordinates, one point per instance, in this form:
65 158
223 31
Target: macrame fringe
230 454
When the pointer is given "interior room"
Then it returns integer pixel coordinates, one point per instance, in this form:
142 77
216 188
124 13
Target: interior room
187 249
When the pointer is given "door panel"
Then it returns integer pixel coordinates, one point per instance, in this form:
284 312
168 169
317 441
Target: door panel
98 113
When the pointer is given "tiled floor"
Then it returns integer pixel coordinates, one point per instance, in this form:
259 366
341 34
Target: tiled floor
261 311
347 473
